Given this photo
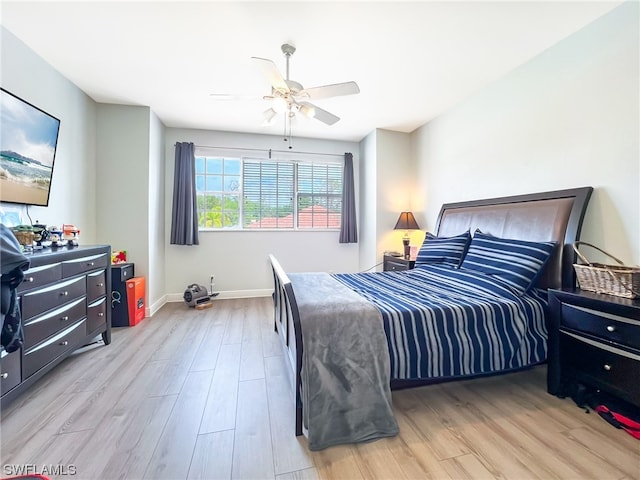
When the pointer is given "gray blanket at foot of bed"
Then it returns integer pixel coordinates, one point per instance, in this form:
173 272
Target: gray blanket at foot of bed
345 367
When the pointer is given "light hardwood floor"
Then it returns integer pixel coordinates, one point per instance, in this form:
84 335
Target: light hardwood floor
204 394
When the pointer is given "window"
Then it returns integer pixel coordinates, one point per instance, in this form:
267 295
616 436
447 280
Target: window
268 193
319 195
250 193
218 192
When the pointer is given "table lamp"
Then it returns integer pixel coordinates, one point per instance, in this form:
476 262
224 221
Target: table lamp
406 222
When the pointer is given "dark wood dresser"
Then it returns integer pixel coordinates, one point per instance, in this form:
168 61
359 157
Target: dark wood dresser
594 339
65 303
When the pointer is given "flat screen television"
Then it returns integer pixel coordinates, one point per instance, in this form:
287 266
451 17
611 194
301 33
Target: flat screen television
28 142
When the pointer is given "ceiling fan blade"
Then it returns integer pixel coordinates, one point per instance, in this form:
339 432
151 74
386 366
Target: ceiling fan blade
270 71
322 115
334 90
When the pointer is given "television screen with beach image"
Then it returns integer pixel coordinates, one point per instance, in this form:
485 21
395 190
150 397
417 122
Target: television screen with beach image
27 151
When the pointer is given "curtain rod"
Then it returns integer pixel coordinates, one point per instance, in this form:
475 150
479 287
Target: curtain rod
270 150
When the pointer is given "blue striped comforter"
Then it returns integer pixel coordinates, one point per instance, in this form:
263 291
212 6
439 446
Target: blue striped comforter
443 322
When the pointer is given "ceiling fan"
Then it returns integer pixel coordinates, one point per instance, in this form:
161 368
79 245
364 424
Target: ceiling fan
289 97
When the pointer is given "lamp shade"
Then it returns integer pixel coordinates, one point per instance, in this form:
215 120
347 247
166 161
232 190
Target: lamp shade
406 221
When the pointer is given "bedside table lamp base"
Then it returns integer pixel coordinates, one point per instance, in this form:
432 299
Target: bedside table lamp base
407 248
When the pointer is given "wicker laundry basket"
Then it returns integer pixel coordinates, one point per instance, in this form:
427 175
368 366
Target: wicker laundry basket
615 280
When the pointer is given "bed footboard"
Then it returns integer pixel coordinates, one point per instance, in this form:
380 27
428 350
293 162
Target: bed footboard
287 325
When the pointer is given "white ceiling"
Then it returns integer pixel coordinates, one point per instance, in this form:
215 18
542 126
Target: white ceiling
412 60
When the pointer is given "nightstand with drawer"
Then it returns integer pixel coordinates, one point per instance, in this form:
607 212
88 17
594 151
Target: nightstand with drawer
391 263
594 339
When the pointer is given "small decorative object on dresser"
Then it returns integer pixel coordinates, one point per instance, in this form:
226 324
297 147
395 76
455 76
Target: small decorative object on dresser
393 263
70 233
594 340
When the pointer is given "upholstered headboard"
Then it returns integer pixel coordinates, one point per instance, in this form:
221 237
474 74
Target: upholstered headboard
549 216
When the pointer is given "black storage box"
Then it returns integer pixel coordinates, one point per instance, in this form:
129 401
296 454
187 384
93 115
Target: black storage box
120 273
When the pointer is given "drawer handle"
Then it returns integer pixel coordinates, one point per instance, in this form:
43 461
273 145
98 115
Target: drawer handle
611 328
64 294
100 314
100 284
607 367
64 344
29 279
64 319
90 264
5 375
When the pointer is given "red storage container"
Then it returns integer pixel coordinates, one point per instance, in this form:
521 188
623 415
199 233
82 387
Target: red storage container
135 300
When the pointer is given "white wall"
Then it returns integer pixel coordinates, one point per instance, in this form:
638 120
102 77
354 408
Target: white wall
367 200
123 186
238 259
131 193
396 182
72 198
156 215
568 118
387 185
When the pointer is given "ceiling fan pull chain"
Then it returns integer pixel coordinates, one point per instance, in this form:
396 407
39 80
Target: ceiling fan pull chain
284 133
290 138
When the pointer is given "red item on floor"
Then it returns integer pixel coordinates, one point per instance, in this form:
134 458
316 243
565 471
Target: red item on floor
135 300
619 420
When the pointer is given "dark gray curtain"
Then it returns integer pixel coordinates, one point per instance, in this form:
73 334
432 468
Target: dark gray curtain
184 215
348 227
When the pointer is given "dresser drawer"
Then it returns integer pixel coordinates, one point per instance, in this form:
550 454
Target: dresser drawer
606 326
37 276
49 350
38 328
121 272
96 315
96 285
35 303
602 365
84 264
9 370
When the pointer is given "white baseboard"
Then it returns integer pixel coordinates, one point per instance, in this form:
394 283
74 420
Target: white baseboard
151 310
229 294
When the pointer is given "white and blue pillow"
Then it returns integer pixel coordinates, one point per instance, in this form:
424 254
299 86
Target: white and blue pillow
517 263
443 250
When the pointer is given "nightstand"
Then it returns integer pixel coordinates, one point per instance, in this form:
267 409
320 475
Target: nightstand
391 263
594 339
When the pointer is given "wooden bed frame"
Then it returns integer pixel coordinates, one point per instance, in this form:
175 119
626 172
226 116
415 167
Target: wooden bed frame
547 216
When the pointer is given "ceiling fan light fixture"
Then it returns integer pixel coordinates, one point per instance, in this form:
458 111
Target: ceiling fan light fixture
308 111
269 117
279 104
